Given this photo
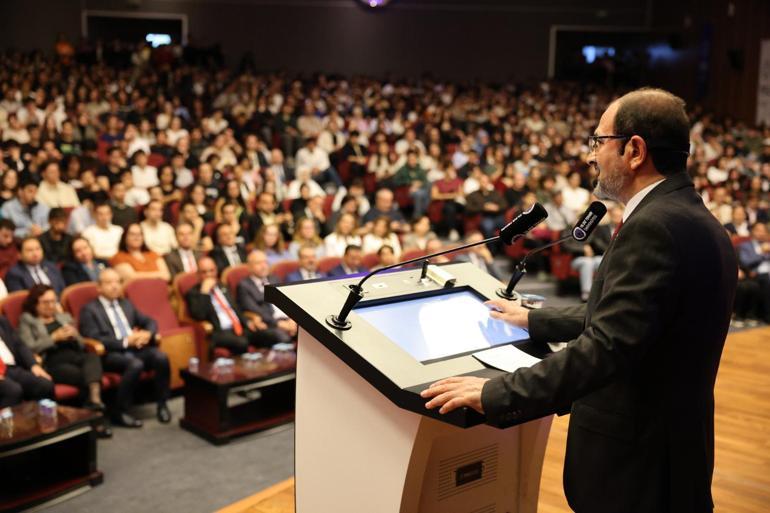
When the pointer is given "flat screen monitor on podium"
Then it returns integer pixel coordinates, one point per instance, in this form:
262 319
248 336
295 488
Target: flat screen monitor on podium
443 326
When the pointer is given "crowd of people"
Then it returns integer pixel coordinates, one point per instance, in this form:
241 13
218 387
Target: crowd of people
153 168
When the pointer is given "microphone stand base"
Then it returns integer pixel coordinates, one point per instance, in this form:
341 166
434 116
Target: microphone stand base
333 321
510 296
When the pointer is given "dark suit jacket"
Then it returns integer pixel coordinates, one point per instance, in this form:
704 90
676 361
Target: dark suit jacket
94 323
201 308
336 272
639 370
23 355
748 257
174 261
297 276
73 272
250 299
19 277
219 257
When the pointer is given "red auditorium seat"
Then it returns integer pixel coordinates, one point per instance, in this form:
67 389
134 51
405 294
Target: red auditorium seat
150 295
282 269
370 260
231 276
326 264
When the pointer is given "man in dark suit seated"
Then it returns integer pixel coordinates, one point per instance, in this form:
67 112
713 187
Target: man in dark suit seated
226 251
129 339
588 255
31 269
184 258
274 325
209 301
82 265
56 241
351 262
21 377
754 259
639 368
308 266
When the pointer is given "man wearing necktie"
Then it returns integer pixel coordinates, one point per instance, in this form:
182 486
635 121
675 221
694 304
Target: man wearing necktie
129 338
211 302
31 269
227 252
21 377
308 266
185 257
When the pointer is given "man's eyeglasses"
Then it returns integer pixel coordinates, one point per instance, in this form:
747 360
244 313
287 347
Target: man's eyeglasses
594 141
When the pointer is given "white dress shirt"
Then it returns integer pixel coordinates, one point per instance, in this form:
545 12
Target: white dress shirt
108 307
104 242
6 355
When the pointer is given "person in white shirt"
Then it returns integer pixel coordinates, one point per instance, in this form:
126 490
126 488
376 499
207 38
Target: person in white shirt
103 236
159 236
381 235
144 175
342 237
54 193
134 195
303 178
315 158
575 197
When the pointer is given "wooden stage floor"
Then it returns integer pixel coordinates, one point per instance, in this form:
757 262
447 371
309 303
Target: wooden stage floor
742 471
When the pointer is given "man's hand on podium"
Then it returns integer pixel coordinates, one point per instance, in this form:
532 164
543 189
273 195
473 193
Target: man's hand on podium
453 393
509 312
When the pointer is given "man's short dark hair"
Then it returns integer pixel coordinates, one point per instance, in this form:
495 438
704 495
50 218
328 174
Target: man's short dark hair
352 247
659 118
7 224
57 214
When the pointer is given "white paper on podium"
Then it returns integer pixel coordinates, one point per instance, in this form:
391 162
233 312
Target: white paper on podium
507 358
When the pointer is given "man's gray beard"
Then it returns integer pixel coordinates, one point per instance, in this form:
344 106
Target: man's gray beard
609 189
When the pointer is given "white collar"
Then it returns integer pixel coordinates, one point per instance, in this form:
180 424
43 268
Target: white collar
637 198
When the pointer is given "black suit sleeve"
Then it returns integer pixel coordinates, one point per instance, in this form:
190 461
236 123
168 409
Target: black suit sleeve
198 304
249 300
90 326
24 356
556 324
639 287
14 280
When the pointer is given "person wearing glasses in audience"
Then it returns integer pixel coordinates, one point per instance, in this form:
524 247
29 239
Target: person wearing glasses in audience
51 334
82 265
130 340
135 260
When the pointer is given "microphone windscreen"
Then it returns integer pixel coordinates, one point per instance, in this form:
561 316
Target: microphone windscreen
588 222
523 223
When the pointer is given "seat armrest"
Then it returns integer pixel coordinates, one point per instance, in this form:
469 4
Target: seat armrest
93 346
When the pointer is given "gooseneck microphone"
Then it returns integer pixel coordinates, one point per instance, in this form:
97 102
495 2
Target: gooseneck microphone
509 233
583 229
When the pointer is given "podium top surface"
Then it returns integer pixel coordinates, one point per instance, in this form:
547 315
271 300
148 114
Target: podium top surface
387 312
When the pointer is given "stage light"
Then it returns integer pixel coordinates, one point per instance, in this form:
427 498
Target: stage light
376 3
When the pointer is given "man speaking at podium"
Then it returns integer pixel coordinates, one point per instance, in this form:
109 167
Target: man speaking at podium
639 370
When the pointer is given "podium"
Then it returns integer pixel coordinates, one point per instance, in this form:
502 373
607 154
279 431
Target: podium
364 441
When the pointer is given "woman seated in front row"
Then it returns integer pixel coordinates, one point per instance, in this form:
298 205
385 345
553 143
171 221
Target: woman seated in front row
135 260
51 334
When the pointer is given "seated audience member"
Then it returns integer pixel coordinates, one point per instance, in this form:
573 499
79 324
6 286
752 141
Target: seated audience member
270 241
56 241
52 191
51 334
420 234
83 216
129 338
381 235
158 234
739 225
480 256
308 265
188 213
303 183
135 196
560 217
122 214
754 259
588 255
103 236
747 306
344 235
230 215
273 325
32 269
488 203
144 175
209 301
226 251
348 205
386 257
449 190
184 258
351 262
135 260
9 248
306 234
413 176
29 217
82 265
385 205
317 161
575 196
266 214
21 377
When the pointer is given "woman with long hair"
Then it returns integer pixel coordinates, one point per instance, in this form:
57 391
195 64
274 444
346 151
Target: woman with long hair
344 235
306 234
381 235
135 260
270 240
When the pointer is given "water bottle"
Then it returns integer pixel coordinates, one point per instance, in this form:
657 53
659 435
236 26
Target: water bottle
193 364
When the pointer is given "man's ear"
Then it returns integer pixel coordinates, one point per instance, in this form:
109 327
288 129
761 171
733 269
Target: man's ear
636 151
